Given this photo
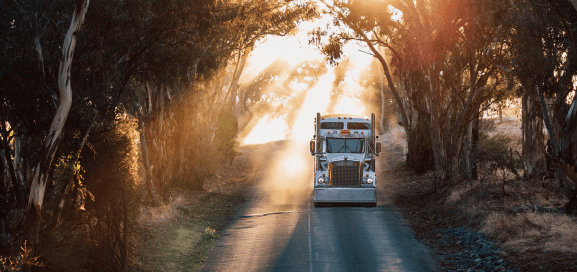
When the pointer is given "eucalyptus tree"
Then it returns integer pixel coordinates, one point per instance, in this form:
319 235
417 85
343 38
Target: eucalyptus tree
542 38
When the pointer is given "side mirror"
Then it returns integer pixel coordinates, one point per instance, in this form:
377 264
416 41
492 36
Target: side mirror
378 148
312 147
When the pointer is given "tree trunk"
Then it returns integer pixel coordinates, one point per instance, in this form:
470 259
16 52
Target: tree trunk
466 154
147 171
3 187
38 186
18 157
557 151
420 152
474 145
533 146
159 139
234 84
442 170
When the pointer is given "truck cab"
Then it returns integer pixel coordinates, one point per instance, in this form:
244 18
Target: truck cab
344 148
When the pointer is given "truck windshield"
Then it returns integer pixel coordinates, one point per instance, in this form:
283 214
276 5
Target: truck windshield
332 125
358 125
340 145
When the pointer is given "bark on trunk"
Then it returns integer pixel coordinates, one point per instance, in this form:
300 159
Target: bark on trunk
474 144
442 170
420 152
18 158
533 145
147 171
159 139
466 155
557 151
3 190
448 123
38 186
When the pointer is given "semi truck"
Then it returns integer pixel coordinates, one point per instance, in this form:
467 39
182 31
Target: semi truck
345 148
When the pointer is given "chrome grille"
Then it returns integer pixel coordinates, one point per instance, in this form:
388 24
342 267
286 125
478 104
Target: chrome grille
345 173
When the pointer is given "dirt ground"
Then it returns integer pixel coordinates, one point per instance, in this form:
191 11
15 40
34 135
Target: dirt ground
520 217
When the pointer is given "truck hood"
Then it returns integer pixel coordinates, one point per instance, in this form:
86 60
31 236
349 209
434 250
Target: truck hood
333 157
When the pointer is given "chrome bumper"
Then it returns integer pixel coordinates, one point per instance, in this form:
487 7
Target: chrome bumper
345 195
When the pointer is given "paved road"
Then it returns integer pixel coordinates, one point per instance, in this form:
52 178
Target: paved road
279 229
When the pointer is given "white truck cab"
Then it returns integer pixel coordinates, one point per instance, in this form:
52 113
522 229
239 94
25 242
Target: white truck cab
344 149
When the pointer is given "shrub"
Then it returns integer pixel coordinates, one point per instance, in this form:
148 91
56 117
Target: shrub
498 154
103 202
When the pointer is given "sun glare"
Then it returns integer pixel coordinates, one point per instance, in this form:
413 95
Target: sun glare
267 130
348 105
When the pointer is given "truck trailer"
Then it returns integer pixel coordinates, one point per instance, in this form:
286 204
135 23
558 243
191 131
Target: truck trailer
345 148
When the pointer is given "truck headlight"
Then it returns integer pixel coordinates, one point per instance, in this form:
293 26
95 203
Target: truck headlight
370 181
321 180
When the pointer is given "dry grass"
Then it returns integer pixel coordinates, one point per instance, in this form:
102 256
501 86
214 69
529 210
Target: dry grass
525 231
149 216
168 238
535 240
459 190
533 237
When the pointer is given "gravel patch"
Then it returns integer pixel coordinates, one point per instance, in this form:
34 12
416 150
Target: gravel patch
477 252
